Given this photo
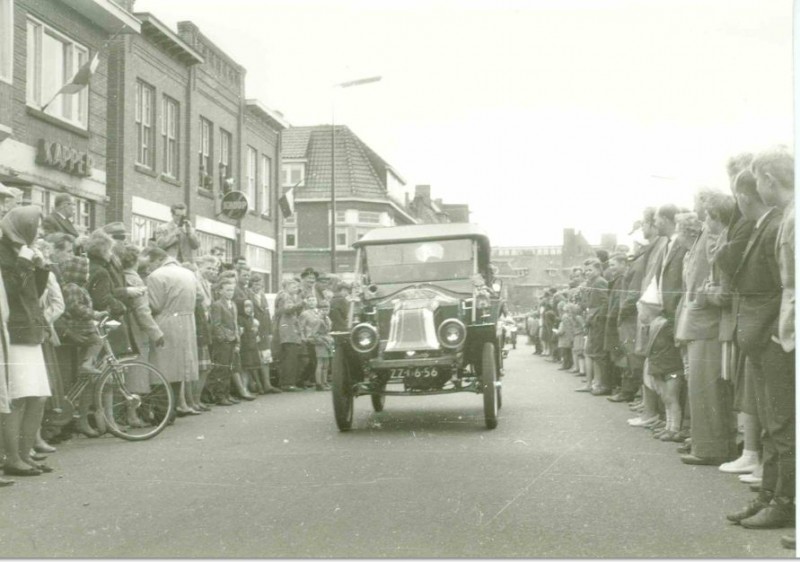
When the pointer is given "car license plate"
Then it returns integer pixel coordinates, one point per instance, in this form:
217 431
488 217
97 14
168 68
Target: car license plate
415 373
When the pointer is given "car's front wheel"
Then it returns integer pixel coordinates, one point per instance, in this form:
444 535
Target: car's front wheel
490 390
342 391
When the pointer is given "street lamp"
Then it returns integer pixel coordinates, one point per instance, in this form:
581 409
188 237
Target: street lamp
349 84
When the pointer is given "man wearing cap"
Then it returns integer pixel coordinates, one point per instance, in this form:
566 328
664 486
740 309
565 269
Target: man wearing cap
178 237
116 230
60 220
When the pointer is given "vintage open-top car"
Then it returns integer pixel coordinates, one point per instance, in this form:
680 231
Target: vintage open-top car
423 319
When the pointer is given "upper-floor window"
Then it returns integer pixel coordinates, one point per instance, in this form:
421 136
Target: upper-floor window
145 117
290 237
293 174
369 217
206 147
252 164
6 40
225 154
266 192
170 131
53 59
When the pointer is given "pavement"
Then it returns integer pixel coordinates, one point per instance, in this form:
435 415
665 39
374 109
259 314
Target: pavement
563 476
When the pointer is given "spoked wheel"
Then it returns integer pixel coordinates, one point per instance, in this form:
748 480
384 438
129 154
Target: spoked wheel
378 401
136 400
490 391
342 393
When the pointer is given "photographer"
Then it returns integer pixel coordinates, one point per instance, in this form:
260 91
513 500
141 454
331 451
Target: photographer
178 237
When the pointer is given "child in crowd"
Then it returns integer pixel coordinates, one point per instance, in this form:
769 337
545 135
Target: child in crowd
249 353
323 345
566 336
77 326
579 340
310 322
224 343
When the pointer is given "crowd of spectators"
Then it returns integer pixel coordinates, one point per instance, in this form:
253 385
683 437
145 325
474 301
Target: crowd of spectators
206 325
693 327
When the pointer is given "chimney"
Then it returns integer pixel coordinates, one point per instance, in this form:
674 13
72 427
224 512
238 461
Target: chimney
125 4
423 191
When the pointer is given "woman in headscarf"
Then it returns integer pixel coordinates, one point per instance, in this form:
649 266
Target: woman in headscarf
28 386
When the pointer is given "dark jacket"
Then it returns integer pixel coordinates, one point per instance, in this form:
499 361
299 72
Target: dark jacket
107 288
669 272
24 284
54 223
757 287
339 310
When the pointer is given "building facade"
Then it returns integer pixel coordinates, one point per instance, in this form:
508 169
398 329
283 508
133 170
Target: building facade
182 131
57 144
369 194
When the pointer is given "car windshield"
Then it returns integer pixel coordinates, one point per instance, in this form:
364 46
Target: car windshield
413 262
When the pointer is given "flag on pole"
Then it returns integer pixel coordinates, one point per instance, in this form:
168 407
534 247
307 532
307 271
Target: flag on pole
286 203
80 79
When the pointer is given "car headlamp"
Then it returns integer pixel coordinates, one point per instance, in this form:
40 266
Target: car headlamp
452 333
364 338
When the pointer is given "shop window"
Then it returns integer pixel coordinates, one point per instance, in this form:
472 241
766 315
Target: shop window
210 241
53 59
6 40
260 261
145 117
170 129
143 229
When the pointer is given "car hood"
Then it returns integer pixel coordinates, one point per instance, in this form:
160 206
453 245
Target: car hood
412 311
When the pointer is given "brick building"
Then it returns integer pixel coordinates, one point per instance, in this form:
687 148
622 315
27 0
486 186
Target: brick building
62 149
369 194
182 130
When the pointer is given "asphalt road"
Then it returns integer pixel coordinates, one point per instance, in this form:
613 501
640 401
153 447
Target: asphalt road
562 476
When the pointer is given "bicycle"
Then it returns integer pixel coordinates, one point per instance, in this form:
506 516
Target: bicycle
114 400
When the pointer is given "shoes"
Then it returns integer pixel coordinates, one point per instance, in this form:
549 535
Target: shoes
184 413
702 461
583 389
787 541
43 467
641 422
620 397
248 397
204 408
774 516
88 432
671 436
601 391
319 387
224 402
290 388
752 507
685 449
234 400
742 465
44 448
37 457
273 390
749 479
4 482
13 471
327 387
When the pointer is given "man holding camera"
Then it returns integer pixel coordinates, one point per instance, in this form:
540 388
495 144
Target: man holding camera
178 237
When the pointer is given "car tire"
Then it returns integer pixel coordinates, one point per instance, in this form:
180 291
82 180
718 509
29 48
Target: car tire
490 391
341 391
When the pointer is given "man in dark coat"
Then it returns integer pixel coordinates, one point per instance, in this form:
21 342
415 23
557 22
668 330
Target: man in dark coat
60 220
757 305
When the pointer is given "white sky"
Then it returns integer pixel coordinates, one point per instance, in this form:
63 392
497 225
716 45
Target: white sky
541 114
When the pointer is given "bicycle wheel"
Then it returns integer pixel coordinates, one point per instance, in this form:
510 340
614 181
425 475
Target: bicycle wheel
137 398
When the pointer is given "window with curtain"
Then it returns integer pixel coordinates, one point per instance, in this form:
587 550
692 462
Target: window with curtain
53 59
170 129
145 132
266 179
